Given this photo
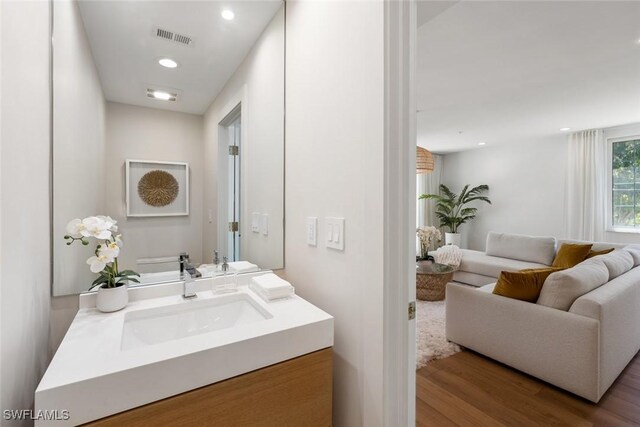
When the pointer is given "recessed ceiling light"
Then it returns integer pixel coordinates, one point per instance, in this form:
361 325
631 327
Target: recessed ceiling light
228 14
168 63
564 129
482 143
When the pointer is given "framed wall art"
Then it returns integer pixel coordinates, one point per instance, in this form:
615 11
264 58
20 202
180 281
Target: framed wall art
155 188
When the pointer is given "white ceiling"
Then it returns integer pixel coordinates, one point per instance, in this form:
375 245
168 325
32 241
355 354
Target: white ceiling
508 72
126 50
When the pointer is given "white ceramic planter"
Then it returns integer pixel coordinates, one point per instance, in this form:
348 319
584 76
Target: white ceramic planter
452 239
112 299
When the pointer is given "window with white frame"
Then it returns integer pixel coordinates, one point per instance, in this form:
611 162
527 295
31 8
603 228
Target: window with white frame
625 191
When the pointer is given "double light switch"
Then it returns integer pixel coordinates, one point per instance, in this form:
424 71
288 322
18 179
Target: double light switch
334 228
260 223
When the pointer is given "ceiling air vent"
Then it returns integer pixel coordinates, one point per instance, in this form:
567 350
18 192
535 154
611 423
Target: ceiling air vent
179 38
163 95
171 36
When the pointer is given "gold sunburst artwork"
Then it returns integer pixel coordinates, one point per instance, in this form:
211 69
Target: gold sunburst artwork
158 188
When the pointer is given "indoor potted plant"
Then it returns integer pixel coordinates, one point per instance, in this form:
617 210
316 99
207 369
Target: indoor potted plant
452 210
427 235
111 282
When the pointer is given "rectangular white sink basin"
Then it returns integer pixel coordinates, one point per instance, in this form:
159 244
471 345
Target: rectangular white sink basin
173 322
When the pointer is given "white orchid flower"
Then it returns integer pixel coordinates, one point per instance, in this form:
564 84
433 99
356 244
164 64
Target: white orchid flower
96 227
98 263
109 250
110 223
75 227
119 241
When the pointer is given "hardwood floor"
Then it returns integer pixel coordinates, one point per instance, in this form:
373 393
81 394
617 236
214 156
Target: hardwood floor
468 389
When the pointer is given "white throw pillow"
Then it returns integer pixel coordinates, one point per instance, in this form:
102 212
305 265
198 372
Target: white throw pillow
617 262
541 250
562 288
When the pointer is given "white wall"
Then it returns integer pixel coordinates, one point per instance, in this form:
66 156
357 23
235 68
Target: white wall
79 118
259 84
526 187
334 167
24 201
142 133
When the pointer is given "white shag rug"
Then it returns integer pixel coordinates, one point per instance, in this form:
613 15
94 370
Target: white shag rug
431 341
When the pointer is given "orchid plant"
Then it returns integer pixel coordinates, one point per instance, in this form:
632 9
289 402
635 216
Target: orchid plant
105 258
427 236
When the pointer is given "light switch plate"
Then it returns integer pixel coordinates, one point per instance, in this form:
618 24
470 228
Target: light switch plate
255 222
312 231
264 225
335 233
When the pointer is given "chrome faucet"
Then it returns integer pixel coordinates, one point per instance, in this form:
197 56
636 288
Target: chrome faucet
189 286
185 266
189 273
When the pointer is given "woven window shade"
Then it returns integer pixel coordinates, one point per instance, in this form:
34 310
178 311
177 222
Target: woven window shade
424 161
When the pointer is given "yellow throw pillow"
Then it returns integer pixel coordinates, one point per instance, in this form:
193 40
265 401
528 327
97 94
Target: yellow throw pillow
593 253
524 285
570 254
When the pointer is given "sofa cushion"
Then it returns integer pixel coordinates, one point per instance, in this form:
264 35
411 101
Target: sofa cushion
592 304
617 262
524 285
571 254
634 250
472 279
487 288
486 265
562 288
597 246
539 250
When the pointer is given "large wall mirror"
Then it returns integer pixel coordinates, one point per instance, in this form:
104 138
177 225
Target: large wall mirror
168 117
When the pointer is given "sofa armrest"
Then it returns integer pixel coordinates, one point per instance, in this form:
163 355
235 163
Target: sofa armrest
616 305
553 345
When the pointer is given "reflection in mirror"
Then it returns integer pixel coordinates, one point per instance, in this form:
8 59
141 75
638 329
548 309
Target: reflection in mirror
168 117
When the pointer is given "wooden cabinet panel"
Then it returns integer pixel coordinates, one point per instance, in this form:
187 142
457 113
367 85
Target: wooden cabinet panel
296 392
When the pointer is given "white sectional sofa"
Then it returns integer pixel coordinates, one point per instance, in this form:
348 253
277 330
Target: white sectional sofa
511 252
582 350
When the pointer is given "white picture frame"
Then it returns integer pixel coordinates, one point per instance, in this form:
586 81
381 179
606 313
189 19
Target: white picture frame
136 207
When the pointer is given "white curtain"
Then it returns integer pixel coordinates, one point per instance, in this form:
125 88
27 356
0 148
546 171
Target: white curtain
428 183
585 201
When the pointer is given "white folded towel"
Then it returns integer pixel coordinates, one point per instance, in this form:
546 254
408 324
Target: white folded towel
243 267
270 287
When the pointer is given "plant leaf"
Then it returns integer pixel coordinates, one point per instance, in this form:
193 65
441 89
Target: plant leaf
99 280
481 198
128 273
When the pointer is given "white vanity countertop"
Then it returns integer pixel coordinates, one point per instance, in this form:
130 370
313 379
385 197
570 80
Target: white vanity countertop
92 377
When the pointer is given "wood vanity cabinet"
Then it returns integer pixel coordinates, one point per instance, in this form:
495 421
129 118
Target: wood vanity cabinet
296 392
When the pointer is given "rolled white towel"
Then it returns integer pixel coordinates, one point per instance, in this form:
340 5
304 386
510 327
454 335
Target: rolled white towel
270 287
243 267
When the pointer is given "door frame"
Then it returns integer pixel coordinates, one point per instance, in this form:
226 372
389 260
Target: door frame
237 105
400 141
